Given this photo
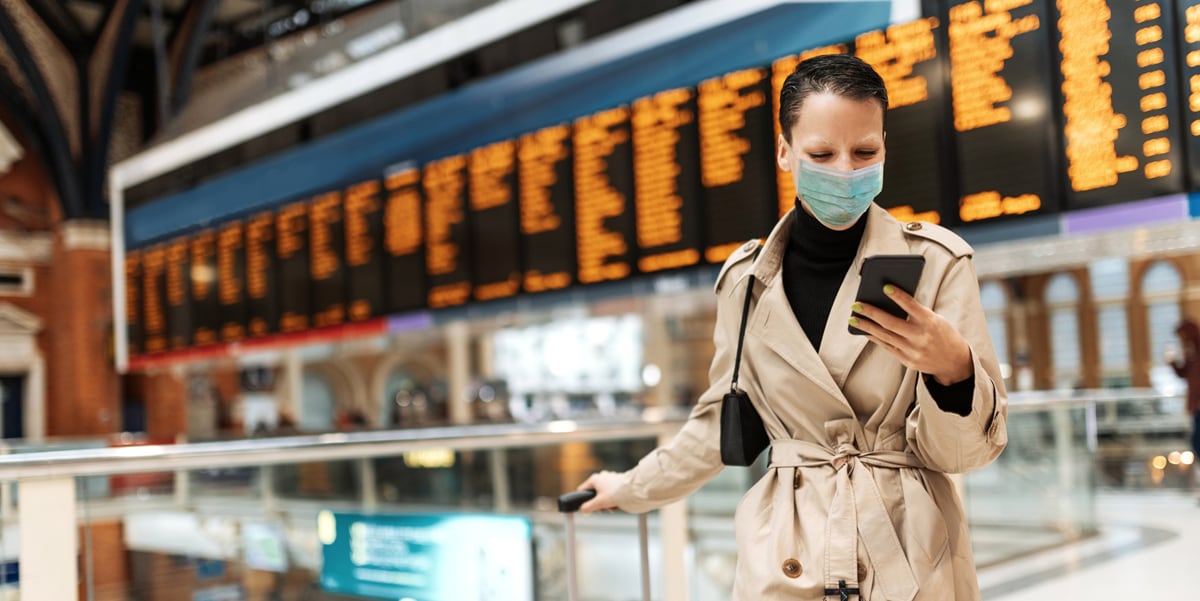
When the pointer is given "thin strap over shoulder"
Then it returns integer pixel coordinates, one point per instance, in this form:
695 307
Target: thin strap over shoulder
737 360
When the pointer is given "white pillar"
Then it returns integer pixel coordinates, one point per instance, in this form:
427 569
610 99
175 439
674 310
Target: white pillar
673 533
35 400
49 539
290 401
458 344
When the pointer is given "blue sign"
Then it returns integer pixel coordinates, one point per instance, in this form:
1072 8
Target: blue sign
427 557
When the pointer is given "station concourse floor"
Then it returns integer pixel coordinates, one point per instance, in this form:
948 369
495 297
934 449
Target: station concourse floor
1148 547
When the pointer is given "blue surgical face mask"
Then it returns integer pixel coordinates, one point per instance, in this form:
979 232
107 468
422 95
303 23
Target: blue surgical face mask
838 198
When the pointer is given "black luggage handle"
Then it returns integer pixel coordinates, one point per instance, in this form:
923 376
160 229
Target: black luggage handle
572 501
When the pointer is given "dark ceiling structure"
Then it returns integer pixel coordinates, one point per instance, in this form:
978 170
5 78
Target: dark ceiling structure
64 64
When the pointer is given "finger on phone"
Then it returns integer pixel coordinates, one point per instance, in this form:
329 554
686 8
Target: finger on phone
587 484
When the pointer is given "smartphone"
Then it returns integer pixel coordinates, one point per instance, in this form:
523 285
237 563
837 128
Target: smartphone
901 271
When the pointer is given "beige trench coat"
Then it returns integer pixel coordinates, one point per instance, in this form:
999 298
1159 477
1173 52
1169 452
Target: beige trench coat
857 490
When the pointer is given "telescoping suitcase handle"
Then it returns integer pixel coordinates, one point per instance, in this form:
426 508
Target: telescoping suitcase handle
568 504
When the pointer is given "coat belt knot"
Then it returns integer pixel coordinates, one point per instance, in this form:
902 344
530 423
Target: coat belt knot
857 511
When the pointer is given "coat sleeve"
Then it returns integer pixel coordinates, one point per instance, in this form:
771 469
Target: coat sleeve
693 457
947 441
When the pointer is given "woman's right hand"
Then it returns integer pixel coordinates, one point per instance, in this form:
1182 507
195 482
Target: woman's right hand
604 483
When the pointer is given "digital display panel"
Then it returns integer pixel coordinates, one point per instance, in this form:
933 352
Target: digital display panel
495 212
906 56
178 283
364 250
231 281
133 301
666 175
1188 37
206 319
292 265
780 70
154 297
604 223
262 289
327 246
447 239
1120 118
1000 79
547 198
404 257
737 160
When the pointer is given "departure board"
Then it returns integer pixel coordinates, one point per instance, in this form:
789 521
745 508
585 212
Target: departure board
327 246
1188 36
546 193
737 161
914 176
666 175
133 301
292 257
780 70
154 316
495 212
178 283
364 250
206 319
1000 79
262 288
231 281
604 223
404 257
1119 103
447 233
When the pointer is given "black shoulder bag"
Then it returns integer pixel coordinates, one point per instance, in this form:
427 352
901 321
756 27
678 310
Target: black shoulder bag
743 436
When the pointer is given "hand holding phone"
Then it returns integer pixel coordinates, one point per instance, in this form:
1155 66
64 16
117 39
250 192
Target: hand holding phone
901 271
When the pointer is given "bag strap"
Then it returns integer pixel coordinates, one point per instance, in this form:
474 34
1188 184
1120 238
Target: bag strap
737 361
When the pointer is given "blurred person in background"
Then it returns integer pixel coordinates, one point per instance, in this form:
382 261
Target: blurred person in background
1187 367
856 503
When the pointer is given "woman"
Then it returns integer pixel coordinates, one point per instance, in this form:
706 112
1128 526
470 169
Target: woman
864 429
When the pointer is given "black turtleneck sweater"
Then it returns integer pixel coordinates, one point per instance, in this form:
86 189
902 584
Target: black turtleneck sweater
814 266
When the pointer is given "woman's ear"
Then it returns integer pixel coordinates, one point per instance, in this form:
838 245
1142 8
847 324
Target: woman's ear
783 154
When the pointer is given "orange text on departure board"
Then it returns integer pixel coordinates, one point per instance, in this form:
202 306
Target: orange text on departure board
260 236
362 203
323 217
444 183
723 104
177 276
154 321
1191 34
490 169
538 154
894 54
990 204
133 271
229 286
656 123
595 139
907 214
202 275
402 215
289 230
980 44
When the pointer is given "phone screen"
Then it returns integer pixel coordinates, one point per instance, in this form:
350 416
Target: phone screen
901 271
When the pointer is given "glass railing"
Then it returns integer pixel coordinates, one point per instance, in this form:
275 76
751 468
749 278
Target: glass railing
270 518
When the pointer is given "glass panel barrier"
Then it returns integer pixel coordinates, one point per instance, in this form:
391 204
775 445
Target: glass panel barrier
264 518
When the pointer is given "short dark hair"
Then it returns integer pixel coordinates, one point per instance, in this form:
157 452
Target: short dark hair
841 74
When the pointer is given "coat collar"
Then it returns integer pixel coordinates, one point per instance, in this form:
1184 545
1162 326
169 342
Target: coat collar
776 326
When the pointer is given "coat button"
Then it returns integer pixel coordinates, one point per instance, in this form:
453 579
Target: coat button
797 480
914 226
862 571
792 568
750 245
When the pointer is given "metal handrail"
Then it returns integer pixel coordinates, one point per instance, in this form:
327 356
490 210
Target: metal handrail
384 443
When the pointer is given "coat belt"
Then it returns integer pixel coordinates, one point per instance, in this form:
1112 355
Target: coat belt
857 509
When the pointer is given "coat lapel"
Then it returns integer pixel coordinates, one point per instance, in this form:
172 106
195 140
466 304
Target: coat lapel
773 322
839 348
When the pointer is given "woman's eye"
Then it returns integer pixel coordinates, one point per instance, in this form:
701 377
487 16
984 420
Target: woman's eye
867 153
816 156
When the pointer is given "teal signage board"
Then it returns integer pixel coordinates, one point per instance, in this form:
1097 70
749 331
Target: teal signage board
427 557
